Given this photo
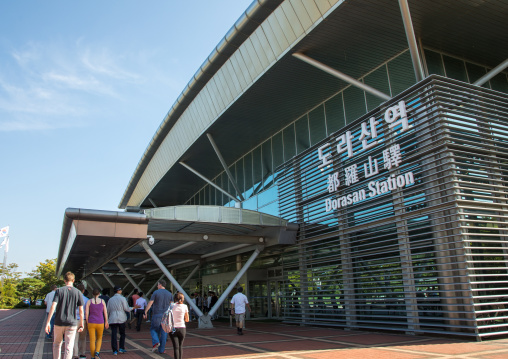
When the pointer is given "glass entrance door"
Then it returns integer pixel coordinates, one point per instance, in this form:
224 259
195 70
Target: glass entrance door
275 288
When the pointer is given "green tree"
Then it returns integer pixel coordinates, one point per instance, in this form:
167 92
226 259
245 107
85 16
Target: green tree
8 291
31 288
46 273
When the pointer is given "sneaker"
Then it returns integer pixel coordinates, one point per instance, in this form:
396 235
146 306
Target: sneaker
155 347
97 356
148 321
122 351
115 352
82 357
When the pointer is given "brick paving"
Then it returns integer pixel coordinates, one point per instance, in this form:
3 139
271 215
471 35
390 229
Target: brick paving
21 337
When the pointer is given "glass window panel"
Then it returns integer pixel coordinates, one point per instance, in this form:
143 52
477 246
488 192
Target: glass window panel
277 150
302 134
230 188
401 73
354 102
334 109
266 149
455 68
240 176
434 62
317 124
499 83
222 183
257 172
267 196
247 166
474 72
272 208
378 80
251 203
289 142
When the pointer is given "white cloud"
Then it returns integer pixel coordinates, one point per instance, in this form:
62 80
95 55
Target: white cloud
57 84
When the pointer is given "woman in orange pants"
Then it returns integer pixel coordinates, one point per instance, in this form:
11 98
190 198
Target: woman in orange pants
97 319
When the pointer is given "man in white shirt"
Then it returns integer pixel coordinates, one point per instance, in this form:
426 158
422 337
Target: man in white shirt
238 304
141 303
48 301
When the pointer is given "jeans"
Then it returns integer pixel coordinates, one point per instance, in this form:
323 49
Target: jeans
177 339
158 335
70 334
52 323
118 327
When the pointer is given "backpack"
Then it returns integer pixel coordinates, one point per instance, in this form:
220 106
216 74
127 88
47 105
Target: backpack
167 322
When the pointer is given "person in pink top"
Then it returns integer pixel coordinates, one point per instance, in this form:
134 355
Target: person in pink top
180 317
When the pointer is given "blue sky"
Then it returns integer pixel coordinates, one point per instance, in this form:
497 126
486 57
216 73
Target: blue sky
83 87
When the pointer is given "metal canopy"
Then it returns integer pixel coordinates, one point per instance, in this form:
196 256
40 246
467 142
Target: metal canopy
184 235
355 38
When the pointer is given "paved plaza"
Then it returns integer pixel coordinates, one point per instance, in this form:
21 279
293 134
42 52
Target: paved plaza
22 337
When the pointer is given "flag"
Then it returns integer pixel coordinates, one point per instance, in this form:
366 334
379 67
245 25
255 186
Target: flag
4 232
6 242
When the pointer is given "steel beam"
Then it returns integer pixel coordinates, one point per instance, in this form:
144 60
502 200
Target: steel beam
489 75
411 39
225 166
154 286
152 202
200 237
209 182
138 286
190 275
120 266
96 282
164 270
341 76
163 254
235 280
107 278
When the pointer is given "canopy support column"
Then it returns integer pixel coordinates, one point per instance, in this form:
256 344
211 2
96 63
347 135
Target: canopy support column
225 166
342 76
138 286
107 278
190 275
96 282
154 286
489 75
411 39
235 280
122 269
164 270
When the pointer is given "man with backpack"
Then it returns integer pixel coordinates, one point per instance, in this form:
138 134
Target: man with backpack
159 302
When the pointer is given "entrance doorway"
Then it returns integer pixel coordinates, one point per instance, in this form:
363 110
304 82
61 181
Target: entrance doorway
265 298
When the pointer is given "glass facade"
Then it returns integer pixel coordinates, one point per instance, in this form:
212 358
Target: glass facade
255 172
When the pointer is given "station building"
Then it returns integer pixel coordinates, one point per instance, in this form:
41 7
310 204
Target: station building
345 162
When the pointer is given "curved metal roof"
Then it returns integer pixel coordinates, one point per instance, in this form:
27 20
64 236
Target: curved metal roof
239 32
259 88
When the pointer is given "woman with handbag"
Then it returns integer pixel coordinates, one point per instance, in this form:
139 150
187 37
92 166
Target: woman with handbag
180 317
96 316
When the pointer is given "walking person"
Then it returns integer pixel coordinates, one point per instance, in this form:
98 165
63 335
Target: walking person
159 302
48 300
238 304
117 307
80 341
180 317
96 315
65 302
141 303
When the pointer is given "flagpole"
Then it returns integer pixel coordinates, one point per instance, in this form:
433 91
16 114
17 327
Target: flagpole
5 262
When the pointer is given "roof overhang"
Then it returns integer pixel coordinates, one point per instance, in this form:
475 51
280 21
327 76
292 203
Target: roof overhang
354 38
183 236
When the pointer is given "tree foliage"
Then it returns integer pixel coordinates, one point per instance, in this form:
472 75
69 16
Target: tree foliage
31 288
10 280
46 273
